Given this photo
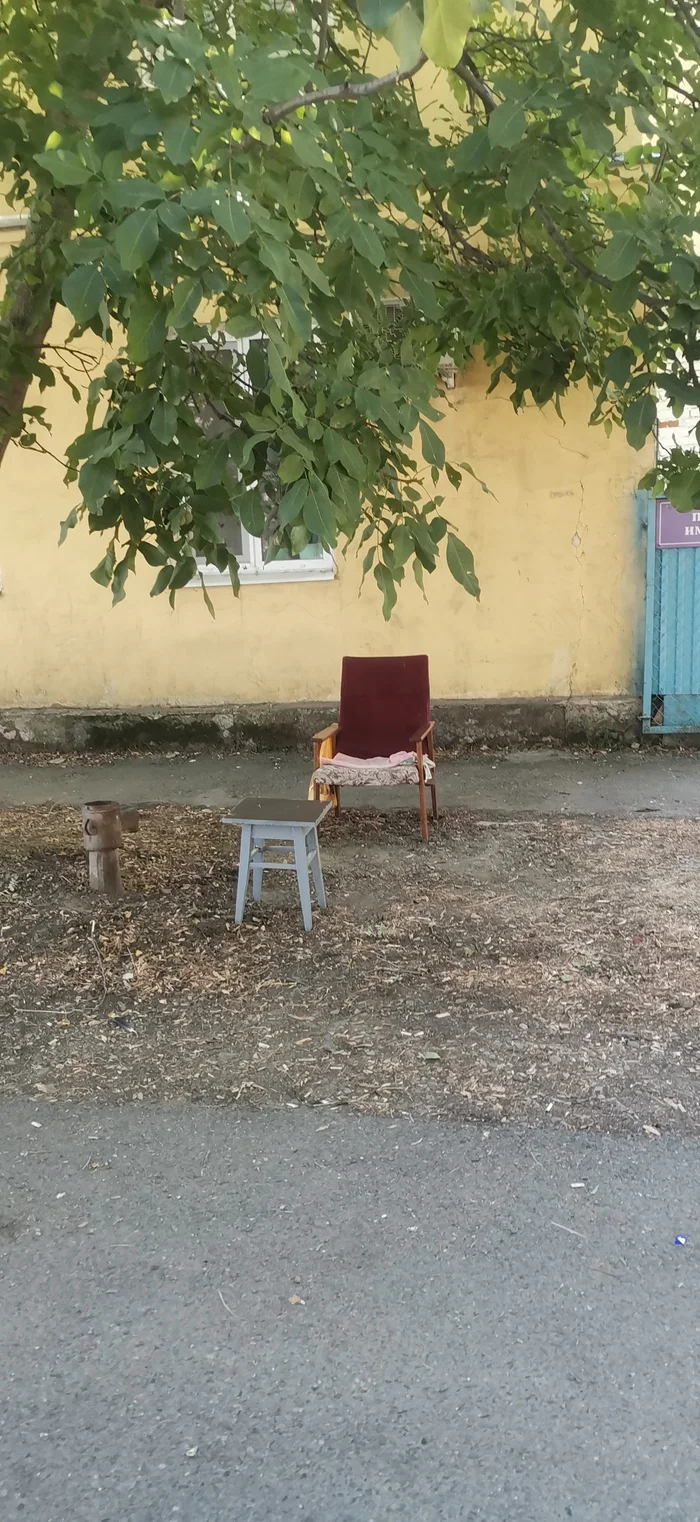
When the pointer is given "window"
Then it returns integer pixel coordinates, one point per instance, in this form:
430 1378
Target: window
313 563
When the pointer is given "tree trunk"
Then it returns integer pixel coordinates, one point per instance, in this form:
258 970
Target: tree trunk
27 311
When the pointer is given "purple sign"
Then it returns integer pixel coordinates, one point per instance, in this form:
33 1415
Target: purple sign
676 531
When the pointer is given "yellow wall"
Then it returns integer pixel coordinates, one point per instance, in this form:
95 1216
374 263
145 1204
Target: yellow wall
557 552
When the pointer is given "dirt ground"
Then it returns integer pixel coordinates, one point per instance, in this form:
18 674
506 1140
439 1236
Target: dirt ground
541 970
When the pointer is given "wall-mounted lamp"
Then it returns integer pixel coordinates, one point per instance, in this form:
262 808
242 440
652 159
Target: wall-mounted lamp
447 370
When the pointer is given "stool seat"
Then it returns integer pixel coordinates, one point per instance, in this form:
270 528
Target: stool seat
272 825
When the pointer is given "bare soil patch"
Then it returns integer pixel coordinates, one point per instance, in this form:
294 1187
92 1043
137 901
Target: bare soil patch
543 970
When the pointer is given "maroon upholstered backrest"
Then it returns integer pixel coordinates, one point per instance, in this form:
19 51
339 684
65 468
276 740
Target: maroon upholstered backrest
384 700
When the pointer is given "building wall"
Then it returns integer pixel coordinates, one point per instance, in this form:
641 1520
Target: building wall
557 549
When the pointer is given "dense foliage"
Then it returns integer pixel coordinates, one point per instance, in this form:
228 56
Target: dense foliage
241 170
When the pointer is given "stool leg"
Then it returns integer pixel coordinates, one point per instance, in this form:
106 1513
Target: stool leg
302 866
243 870
317 873
258 859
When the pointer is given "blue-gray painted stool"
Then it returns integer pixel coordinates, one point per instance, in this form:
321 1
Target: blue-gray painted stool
279 825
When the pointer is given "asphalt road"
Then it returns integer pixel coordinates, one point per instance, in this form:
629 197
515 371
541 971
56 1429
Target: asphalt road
453 1354
623 783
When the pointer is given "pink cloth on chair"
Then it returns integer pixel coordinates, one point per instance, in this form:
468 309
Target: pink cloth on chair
342 770
375 763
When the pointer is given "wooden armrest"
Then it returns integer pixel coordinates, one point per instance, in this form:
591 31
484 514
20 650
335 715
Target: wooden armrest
422 734
326 734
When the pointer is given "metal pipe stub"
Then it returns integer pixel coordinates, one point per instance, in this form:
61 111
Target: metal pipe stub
104 823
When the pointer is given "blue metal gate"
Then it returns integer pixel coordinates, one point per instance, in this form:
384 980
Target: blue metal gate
671 701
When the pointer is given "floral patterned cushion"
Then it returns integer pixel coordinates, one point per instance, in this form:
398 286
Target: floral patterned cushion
369 776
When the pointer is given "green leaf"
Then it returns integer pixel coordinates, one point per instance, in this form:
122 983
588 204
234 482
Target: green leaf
460 562
338 448
377 13
387 586
174 216
164 421
147 328
173 78
401 544
507 124
445 27
102 573
152 553
251 512
618 365
67 524
404 32
123 194
312 270
162 581
292 503
243 325
257 367
291 468
85 250
640 418
297 312
82 292
318 512
684 272
278 369
137 238
231 216
433 447
183 573
213 462
308 150
523 180
620 256
64 167
96 479
187 295
227 74
364 239
300 196
199 202
474 152
596 135
180 140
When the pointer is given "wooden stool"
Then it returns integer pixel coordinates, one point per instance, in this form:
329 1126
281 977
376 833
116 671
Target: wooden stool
279 825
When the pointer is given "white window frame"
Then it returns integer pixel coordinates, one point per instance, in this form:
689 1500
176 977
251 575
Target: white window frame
253 569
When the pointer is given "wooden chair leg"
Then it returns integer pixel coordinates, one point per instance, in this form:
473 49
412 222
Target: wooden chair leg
336 801
433 788
421 792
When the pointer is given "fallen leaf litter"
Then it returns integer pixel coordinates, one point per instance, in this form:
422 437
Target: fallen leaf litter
542 970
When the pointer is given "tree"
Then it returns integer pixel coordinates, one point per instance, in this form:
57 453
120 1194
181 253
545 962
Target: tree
240 168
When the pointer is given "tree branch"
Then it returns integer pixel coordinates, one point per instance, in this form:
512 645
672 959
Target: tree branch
685 15
584 269
349 90
687 94
27 311
469 252
323 32
468 72
560 242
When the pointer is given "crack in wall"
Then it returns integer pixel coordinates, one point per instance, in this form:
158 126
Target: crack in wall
577 540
